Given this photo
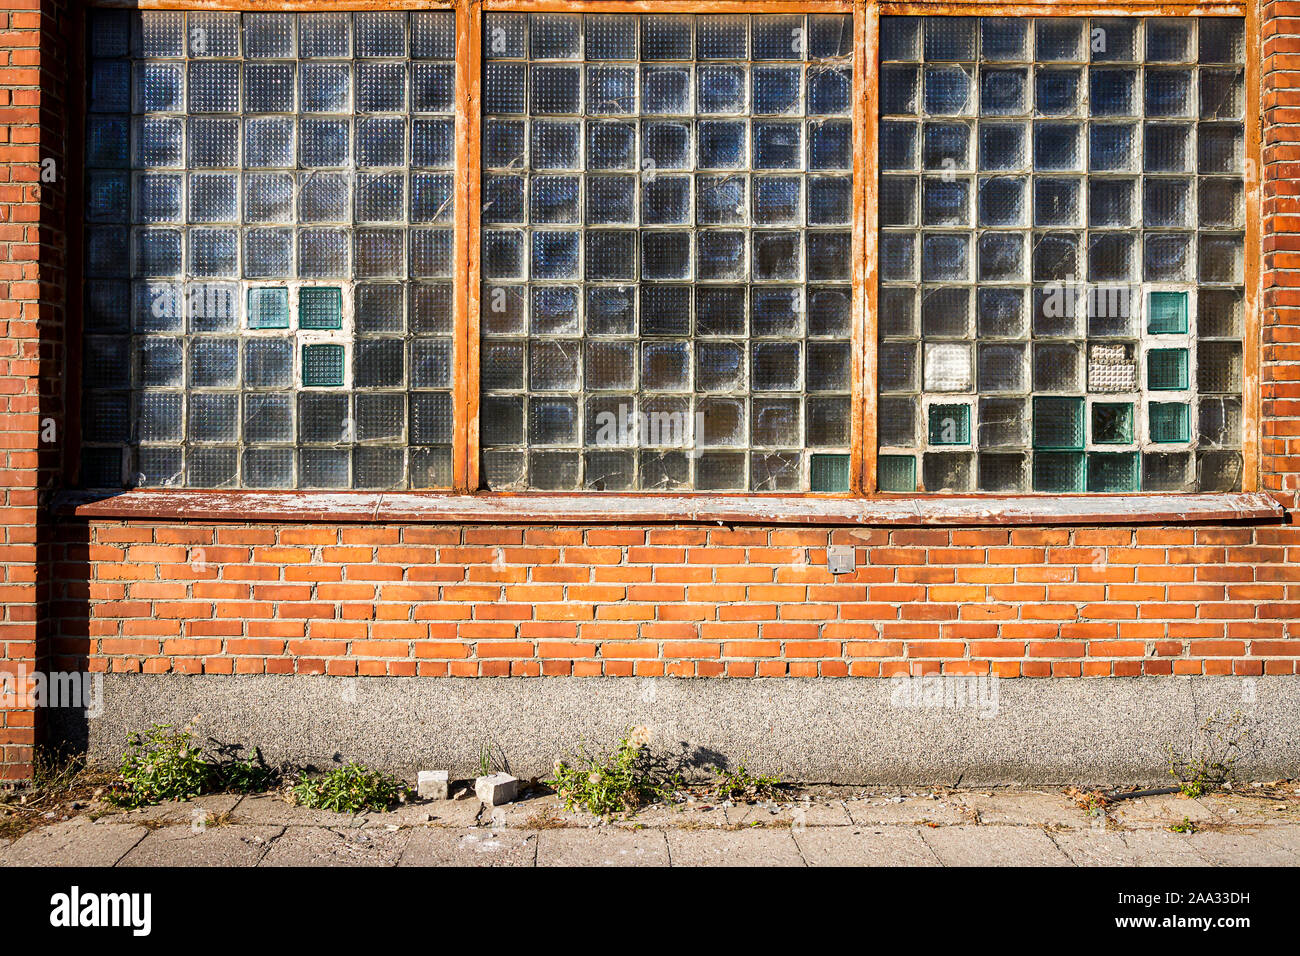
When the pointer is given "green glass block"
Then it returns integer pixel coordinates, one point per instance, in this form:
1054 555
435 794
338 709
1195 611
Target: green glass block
1061 472
828 472
1169 422
1058 423
1167 313
1112 423
322 365
896 472
268 308
1167 370
949 424
1113 471
320 308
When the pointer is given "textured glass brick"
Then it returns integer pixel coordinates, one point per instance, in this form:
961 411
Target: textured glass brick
1112 423
1219 367
105 361
325 35
268 468
214 363
323 467
269 35
322 365
381 33
431 363
268 418
1166 471
213 416
946 471
1003 423
950 38
896 473
1166 313
1218 471
1222 40
1219 422
433 34
1111 368
1060 39
378 467
381 87
323 417
1112 92
1168 422
900 38
324 142
326 87
1001 473
320 307
268 363
610 36
1113 471
1060 472
433 87
1219 312
949 424
828 473
161 362
779 37
161 416
1167 369
212 306
430 418
379 363
1058 423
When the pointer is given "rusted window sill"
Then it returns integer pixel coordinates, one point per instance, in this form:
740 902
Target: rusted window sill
554 508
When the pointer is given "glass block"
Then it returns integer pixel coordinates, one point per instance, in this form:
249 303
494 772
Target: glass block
1112 423
1057 367
214 363
1058 423
161 416
268 417
1222 40
668 145
718 472
211 467
212 306
830 366
431 142
897 256
896 473
900 38
431 418
214 87
158 142
777 256
949 424
828 420
1166 471
320 307
1057 202
1168 422
268 141
504 88
106 416
1222 94
323 467
610 36
324 143
431 253
1114 41
157 252
159 88
1111 203
946 147
381 87
1219 367
609 365
1111 368
1001 473
322 365
110 87
1113 471
666 366
1003 422
269 35
555 36
213 252
782 37
896 421
611 146
610 310
898 145
1000 312
268 363
431 307
1112 92
1059 472
430 467
504 35
948 368
1218 471
1004 92
552 422
830 145
1002 201
554 471
214 197
1001 256
946 203
325 35
107 197
213 416
1166 148
945 258
612 90
664 89
946 312
1219 422
950 38
555 255
899 90
774 422
268 253
433 34
946 471
555 89
1056 146
380 198
1221 259
1060 39
1166 257
1221 203
269 88
1219 312
159 34
161 362
381 416
268 197
1111 147
214 34
431 363
326 87
554 365
380 252
502 365
381 34
1166 313
1167 369
555 145
503 255
377 467
828 473
323 252
379 363
107 141
109 32
158 307
1056 92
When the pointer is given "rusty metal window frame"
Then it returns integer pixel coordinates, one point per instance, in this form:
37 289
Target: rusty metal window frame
469 13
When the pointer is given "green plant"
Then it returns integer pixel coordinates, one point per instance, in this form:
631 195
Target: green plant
350 789
617 783
491 759
161 764
167 764
1187 826
740 784
1217 746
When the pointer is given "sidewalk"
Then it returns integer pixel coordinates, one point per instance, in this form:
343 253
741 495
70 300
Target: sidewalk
824 827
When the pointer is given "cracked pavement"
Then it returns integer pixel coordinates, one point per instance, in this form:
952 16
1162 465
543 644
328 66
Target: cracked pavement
826 827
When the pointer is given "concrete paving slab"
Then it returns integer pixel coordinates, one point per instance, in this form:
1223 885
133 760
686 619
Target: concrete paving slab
77 842
852 846
873 811
1025 807
1097 847
679 815
993 846
751 847
434 846
179 811
212 846
1239 848
1160 811
267 809
1287 837
606 846
1240 809
445 813
822 814
321 846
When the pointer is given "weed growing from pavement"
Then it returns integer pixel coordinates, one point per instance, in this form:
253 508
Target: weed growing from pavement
742 785
617 783
350 789
1217 746
168 764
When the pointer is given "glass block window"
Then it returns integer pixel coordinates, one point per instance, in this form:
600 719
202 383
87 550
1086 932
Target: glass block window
1061 254
666 252
269 250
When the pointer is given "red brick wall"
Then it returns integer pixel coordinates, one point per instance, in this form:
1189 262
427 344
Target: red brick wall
691 601
33 126
678 601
